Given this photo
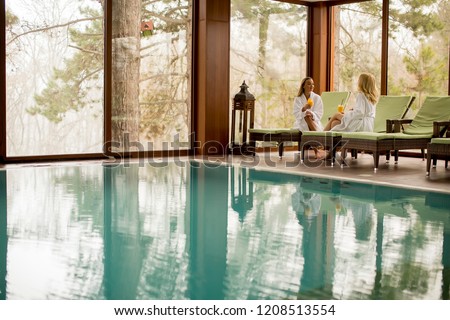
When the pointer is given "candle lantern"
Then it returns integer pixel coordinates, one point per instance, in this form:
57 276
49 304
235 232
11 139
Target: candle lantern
242 119
241 191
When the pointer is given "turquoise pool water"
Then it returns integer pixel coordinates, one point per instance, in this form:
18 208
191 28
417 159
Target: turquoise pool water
206 232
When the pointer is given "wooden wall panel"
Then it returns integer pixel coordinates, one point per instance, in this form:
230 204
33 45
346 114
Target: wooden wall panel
318 47
211 77
215 10
384 48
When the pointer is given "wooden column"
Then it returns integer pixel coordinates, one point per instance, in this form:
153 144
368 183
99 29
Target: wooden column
319 46
211 77
384 48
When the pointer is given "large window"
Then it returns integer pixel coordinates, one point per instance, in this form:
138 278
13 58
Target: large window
151 47
55 66
357 43
268 51
418 48
54 78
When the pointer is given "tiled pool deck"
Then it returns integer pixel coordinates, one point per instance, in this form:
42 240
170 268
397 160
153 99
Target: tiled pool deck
410 172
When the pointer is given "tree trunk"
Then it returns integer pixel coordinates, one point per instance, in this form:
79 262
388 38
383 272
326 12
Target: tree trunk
337 50
126 23
263 29
261 73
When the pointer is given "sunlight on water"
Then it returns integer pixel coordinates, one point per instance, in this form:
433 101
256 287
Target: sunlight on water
198 232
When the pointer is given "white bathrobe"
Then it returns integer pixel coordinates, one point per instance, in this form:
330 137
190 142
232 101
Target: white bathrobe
360 119
317 110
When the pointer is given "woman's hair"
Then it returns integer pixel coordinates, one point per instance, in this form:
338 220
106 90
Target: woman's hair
367 85
301 90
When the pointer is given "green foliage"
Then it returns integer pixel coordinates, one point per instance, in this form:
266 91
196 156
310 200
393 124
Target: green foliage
55 101
276 99
275 96
159 113
429 75
168 18
397 86
373 8
429 72
419 17
426 63
70 87
10 19
416 16
73 86
164 103
253 9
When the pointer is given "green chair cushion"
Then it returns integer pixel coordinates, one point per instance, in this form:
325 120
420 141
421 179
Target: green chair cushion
390 107
330 100
322 133
433 109
274 130
440 140
367 135
404 136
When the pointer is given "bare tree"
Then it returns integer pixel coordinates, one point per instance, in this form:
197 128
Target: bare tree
126 21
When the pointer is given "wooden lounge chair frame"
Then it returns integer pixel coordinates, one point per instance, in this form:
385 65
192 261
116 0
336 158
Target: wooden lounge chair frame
421 141
374 143
280 136
435 148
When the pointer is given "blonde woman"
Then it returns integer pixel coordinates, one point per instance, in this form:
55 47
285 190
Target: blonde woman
362 116
308 107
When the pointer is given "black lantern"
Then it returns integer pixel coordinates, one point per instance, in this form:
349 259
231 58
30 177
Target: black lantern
241 191
242 119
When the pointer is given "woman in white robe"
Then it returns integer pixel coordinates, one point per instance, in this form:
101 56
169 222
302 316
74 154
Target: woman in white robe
308 115
362 116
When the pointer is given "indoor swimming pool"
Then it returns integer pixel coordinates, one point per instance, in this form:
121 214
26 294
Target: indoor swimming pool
189 230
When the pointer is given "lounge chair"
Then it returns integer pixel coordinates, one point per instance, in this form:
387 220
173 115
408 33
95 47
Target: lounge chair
277 135
330 101
439 147
419 132
388 107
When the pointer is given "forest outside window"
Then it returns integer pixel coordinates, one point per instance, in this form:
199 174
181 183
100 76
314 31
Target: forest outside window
268 51
54 77
419 34
151 75
55 81
357 43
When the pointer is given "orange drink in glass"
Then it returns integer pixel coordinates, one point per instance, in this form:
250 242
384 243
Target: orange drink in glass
310 102
340 108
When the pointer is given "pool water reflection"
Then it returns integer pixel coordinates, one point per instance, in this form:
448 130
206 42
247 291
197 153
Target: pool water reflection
216 232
